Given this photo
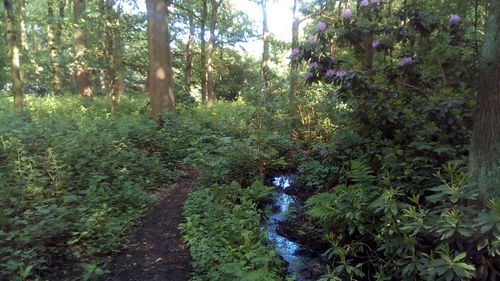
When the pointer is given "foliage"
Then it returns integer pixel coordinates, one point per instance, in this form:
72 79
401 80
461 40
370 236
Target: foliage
375 229
232 145
224 234
401 102
73 181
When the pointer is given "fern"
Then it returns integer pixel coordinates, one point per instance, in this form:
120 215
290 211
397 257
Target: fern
321 206
361 173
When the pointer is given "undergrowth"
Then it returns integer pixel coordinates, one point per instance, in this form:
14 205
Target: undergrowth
74 181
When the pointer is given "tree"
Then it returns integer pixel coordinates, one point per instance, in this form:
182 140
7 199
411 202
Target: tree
188 69
484 157
203 43
54 30
295 45
265 52
83 83
13 29
114 53
214 7
161 89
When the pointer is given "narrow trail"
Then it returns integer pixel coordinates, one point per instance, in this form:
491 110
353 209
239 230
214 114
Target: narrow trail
156 252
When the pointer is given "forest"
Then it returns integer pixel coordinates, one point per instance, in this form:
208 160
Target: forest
185 140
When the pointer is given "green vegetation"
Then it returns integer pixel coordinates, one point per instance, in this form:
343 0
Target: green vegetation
74 180
387 113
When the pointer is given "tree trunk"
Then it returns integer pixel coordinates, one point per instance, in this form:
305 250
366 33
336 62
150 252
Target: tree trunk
161 90
188 70
56 82
203 46
364 48
265 53
118 55
13 30
295 44
107 6
83 84
210 51
53 40
57 40
484 157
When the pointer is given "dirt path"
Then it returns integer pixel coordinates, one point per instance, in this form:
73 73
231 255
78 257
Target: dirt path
156 252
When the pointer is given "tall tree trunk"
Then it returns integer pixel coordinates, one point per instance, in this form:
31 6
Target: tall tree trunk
364 48
13 30
22 27
161 90
484 157
265 53
57 40
203 47
52 29
188 70
118 56
295 44
107 6
210 51
83 84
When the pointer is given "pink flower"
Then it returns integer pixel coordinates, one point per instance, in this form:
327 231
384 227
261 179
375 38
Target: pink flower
320 26
405 60
374 1
375 43
322 152
364 3
307 75
330 72
295 51
455 19
340 73
313 39
346 13
314 64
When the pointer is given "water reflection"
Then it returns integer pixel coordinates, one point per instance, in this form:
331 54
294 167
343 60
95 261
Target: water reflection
282 182
283 246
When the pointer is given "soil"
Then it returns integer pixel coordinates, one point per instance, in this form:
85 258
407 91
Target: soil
156 251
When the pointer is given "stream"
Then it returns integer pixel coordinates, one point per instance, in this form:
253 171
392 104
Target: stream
300 265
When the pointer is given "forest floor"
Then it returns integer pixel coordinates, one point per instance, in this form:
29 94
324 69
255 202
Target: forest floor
156 251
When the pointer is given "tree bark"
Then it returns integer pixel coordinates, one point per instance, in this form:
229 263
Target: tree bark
265 53
364 48
188 70
203 47
107 6
210 51
118 54
484 157
13 30
52 30
295 44
161 89
83 84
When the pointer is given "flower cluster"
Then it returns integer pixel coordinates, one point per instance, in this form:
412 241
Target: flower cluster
375 43
346 13
338 73
454 19
405 60
320 26
295 51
